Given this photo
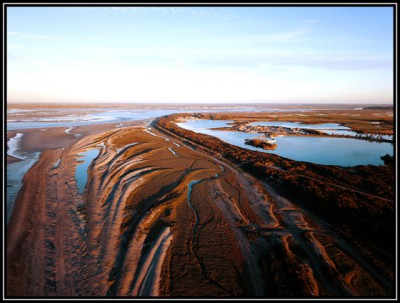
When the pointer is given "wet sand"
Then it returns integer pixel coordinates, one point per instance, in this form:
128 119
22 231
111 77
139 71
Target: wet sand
158 218
74 235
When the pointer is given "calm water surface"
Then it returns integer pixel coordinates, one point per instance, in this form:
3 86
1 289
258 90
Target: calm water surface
95 118
204 124
107 116
81 172
300 125
320 150
328 128
17 170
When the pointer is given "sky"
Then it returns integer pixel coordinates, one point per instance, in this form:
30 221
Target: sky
200 54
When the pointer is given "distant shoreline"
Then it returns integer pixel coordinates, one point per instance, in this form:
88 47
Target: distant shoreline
177 104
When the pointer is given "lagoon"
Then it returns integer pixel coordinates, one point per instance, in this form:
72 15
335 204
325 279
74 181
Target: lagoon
328 128
300 125
319 150
204 124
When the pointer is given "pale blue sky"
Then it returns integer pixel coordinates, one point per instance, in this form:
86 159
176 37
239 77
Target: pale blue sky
200 54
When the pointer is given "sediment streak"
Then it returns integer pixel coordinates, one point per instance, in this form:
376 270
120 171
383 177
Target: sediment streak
154 222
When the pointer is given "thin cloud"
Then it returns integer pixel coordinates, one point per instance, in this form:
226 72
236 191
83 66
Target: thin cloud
197 13
267 38
297 34
250 58
333 62
24 59
32 36
19 58
139 9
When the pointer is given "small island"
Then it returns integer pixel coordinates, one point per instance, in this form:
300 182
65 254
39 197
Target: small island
263 141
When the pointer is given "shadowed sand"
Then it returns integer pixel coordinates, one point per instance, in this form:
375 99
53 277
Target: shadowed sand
88 244
158 218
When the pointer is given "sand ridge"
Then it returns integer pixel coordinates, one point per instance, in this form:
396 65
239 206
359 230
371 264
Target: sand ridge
152 222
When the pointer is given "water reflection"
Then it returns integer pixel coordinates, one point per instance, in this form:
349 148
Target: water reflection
300 125
320 150
328 128
17 170
204 124
81 172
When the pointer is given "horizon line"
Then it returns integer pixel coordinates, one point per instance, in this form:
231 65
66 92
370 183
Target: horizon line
198 103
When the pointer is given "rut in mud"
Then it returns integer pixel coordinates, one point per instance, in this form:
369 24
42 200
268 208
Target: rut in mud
157 218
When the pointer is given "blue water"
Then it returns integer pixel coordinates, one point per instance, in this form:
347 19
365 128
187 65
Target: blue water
328 128
204 124
339 132
15 174
81 172
94 118
300 125
332 151
320 150
190 187
111 115
353 134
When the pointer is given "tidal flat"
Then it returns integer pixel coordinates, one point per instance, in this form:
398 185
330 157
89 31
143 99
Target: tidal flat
125 201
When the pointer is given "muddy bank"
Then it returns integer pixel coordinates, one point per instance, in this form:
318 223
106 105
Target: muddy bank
159 218
335 194
373 121
121 235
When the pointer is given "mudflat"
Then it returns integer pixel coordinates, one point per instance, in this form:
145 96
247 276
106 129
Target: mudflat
169 213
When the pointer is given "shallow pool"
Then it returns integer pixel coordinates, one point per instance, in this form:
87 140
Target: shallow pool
15 174
81 172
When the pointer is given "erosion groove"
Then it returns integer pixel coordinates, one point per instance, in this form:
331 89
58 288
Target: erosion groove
158 218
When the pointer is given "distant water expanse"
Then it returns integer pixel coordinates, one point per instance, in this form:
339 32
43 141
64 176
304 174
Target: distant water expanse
60 117
86 119
42 117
